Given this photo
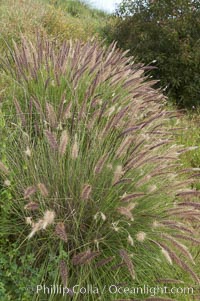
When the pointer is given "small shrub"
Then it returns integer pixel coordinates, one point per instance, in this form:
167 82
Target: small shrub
94 171
62 26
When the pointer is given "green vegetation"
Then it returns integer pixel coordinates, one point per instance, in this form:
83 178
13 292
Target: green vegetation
190 136
93 188
58 19
87 169
166 35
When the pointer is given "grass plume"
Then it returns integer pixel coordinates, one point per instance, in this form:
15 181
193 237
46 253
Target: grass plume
97 132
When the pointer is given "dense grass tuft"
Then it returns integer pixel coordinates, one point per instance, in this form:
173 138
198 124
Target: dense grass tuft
91 168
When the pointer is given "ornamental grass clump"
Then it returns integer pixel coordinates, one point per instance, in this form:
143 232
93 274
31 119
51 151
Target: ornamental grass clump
95 176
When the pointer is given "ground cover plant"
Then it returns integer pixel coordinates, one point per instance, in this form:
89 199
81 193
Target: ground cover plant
93 187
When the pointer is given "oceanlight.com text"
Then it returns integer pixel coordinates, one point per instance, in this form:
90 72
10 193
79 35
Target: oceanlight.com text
114 290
